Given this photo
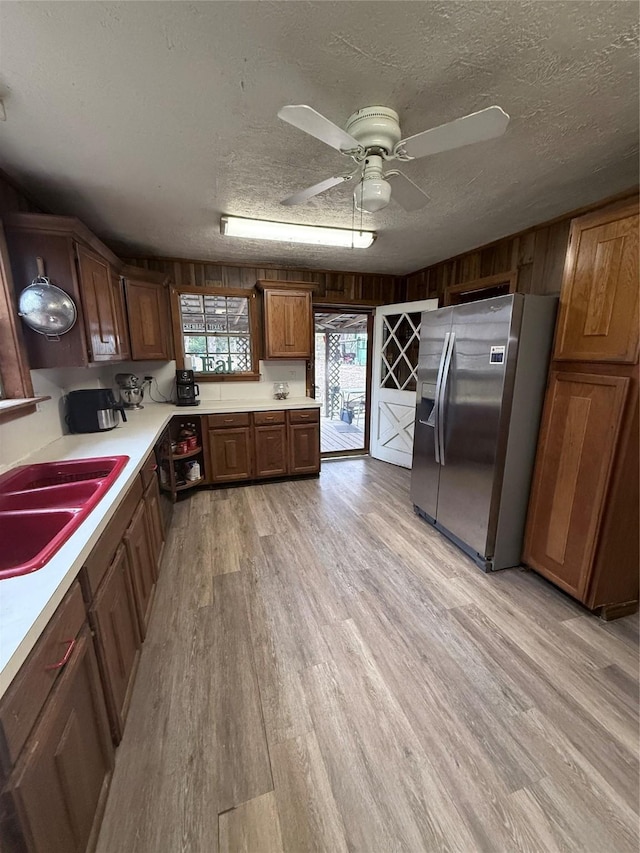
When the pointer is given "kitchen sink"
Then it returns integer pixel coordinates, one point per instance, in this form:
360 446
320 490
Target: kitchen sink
42 505
51 497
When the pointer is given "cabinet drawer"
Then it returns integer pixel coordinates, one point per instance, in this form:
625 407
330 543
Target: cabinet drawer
267 418
148 471
229 420
304 416
99 560
25 698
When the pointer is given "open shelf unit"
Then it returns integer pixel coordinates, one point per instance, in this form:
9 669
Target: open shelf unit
173 466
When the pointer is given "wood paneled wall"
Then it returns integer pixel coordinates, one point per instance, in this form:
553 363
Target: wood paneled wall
338 287
537 255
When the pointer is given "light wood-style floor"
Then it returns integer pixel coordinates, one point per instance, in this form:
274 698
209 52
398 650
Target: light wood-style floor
324 672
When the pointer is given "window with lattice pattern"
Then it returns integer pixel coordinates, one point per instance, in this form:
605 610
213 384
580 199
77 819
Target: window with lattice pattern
217 333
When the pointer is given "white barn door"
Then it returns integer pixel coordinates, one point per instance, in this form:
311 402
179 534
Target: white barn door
396 340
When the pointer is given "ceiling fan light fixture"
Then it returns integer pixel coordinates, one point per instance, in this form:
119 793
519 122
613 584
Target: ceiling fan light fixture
372 194
288 232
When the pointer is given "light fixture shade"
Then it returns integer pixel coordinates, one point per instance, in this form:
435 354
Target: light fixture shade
285 232
372 194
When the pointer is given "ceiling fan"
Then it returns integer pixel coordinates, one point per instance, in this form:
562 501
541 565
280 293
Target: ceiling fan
372 137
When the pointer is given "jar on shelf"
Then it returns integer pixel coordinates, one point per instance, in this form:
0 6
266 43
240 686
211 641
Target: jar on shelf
280 390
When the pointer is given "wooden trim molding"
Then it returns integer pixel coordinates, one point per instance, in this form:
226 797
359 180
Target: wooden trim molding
453 291
14 367
271 284
64 226
10 409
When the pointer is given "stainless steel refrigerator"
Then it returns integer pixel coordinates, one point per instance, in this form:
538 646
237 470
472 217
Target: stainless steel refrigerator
482 374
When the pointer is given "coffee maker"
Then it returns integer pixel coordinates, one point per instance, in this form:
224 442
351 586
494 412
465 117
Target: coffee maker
186 389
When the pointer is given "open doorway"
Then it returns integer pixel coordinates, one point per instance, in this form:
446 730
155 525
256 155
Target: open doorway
342 379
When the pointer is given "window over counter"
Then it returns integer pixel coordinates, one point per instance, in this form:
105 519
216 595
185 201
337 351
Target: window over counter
216 333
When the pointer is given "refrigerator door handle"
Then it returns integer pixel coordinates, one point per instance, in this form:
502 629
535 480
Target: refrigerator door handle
436 405
443 390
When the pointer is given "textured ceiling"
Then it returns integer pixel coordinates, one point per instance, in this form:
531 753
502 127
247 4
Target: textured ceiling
149 120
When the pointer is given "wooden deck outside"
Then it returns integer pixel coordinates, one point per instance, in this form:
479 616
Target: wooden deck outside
336 435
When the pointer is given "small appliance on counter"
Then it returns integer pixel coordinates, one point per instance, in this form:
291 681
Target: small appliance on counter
131 390
93 410
186 389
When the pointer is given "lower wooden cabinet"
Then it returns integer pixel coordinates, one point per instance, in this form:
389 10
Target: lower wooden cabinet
304 448
230 454
114 620
143 570
254 446
576 478
271 451
58 788
65 709
155 525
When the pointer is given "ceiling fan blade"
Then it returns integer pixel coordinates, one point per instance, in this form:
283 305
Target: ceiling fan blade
405 192
476 127
304 195
312 122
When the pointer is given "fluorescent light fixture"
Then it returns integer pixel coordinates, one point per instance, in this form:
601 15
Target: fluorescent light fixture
284 232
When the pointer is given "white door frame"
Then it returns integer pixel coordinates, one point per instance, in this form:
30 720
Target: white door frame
393 409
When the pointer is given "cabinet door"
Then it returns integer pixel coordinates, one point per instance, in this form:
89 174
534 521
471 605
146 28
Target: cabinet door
230 453
148 313
288 320
599 301
114 620
143 574
577 442
60 783
271 451
304 448
117 283
154 521
99 306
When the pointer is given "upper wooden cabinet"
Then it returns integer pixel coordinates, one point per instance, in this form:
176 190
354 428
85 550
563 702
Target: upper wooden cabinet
99 305
598 319
288 319
147 299
76 261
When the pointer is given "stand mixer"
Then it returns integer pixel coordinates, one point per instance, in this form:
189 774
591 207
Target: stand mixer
131 390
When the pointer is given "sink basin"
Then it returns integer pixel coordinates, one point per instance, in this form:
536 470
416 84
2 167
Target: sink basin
42 505
26 536
51 497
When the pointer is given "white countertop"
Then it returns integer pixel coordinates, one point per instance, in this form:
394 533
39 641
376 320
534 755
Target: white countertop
28 602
